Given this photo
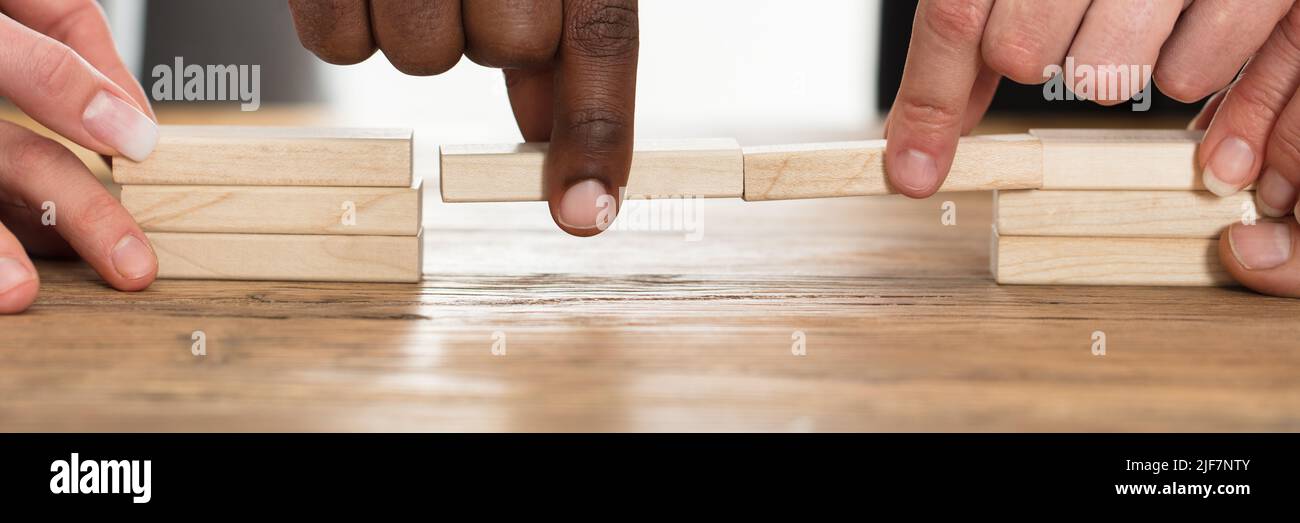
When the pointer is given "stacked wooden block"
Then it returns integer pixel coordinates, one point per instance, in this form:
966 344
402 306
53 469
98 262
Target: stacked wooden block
293 204
1084 207
1115 208
1099 207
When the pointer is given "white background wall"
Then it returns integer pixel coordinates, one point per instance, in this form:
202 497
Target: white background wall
763 71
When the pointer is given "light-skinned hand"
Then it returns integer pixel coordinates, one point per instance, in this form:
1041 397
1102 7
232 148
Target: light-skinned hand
960 50
59 65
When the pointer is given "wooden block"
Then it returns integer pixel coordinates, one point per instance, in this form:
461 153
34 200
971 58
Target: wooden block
222 155
1111 159
285 257
1041 260
1150 214
513 173
857 168
384 211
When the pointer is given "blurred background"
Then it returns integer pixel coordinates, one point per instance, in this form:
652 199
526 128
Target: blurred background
758 70
763 71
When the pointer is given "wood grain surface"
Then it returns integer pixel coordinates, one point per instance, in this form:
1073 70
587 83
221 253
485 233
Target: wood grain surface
904 330
827 170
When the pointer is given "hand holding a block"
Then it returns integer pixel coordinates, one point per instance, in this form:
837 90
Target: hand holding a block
1251 138
960 50
1263 255
60 66
1251 130
570 68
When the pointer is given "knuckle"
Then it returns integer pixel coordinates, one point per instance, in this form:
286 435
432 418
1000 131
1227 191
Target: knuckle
928 115
605 28
421 66
98 212
598 128
1016 55
53 69
530 55
1284 144
1289 31
428 57
336 31
1183 84
33 154
1258 102
957 21
513 52
335 9
75 15
337 54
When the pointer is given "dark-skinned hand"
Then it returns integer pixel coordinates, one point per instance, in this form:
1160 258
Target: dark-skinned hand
570 70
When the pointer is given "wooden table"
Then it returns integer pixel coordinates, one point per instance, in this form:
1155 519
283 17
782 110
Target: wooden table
646 331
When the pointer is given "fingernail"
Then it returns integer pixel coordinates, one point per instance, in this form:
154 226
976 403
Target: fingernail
914 171
132 258
1229 166
587 205
1264 245
1274 195
12 274
120 125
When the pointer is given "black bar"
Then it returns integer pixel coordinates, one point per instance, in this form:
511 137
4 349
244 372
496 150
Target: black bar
188 470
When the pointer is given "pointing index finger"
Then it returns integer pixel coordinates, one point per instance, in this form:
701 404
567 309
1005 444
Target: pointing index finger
595 90
943 62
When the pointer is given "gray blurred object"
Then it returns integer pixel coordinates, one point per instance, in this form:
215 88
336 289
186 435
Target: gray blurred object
218 32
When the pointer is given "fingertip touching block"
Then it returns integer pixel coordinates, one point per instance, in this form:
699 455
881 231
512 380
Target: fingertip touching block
710 168
827 170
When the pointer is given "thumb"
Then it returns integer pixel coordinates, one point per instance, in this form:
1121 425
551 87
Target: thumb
1263 257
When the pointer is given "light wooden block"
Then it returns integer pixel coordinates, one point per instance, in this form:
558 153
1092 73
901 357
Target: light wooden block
513 173
1118 159
284 257
384 211
857 168
221 155
1150 214
1042 260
